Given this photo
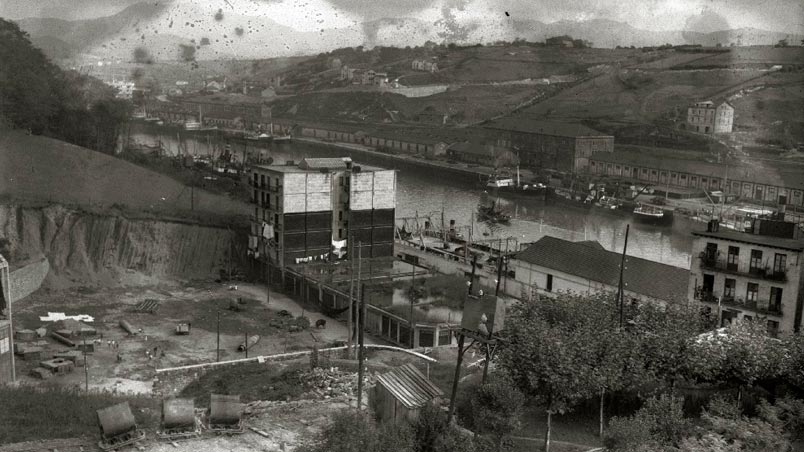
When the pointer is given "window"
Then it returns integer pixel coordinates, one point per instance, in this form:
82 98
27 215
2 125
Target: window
733 259
779 263
340 215
773 328
711 252
549 283
775 301
756 261
340 234
751 292
729 288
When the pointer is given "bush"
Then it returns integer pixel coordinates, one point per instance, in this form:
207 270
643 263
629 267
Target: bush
659 422
302 322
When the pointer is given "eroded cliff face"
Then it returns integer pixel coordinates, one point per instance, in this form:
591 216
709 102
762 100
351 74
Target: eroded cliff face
93 249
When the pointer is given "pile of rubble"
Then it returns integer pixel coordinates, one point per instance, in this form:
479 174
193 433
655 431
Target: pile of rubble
325 383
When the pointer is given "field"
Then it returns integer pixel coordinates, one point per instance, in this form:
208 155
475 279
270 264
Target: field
35 168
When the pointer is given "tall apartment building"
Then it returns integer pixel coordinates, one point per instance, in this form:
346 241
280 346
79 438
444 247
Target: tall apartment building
308 211
755 274
704 117
6 332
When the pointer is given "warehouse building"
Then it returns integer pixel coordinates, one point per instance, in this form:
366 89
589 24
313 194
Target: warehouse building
560 146
308 211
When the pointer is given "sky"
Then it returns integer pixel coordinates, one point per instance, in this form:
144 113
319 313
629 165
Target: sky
305 15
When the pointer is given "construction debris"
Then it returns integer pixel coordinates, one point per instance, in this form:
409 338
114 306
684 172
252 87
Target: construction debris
246 345
150 305
41 373
127 327
58 366
62 339
326 383
25 335
56 316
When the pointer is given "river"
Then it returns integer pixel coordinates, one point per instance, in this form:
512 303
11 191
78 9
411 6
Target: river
425 193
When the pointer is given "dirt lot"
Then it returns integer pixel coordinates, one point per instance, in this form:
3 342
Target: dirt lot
196 304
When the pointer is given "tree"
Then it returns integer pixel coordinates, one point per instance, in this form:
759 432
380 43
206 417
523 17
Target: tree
494 408
782 43
741 355
545 359
665 337
794 362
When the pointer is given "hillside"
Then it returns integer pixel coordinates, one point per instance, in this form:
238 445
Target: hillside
39 169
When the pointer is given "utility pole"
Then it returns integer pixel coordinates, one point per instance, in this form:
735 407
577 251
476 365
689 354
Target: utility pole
218 347
412 297
192 195
351 298
246 343
360 290
621 288
361 350
86 369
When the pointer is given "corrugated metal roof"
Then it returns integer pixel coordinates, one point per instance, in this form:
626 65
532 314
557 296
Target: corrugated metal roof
408 385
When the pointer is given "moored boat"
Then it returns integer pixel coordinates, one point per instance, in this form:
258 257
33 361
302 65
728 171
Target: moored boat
652 214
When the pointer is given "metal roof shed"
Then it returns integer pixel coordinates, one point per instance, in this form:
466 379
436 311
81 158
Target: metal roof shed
401 393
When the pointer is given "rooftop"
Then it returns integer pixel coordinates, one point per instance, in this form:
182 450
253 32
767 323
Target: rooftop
315 165
591 261
408 385
224 99
763 172
528 125
764 240
467 147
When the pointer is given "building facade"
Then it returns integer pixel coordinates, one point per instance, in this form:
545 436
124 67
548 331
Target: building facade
553 265
309 211
551 145
760 183
704 117
482 154
756 274
424 65
6 331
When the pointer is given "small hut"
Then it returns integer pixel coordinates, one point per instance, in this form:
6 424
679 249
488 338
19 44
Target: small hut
401 393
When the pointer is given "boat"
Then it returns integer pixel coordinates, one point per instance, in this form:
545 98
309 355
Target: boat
192 125
282 138
492 214
264 137
505 185
652 214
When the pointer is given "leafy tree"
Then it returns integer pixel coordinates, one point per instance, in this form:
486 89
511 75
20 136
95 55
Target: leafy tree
666 336
546 361
494 408
794 362
782 43
741 356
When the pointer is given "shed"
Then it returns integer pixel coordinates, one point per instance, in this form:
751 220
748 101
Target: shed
401 393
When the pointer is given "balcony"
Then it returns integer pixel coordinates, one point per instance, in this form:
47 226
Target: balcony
709 262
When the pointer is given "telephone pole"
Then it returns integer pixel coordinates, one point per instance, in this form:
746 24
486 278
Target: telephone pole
621 288
218 347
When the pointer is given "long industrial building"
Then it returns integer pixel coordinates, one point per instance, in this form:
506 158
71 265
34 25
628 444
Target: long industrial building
310 210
